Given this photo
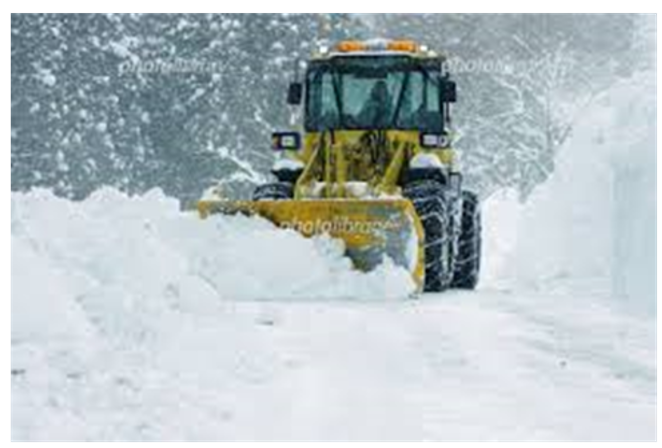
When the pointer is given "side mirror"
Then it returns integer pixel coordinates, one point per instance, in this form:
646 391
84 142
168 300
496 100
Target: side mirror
295 93
448 92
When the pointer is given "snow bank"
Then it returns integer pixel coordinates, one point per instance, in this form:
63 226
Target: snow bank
147 248
111 265
93 281
591 226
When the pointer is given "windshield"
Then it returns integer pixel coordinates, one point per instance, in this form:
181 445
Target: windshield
373 92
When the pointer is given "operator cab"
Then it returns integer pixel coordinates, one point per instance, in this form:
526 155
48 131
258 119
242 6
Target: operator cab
374 85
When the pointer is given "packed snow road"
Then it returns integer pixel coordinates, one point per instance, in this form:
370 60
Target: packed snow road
133 321
445 368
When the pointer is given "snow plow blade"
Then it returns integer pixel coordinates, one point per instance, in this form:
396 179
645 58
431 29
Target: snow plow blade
370 229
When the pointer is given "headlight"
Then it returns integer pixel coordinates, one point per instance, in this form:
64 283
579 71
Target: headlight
435 141
425 160
285 140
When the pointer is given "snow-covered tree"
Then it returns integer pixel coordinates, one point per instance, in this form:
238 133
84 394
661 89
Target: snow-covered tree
182 101
142 101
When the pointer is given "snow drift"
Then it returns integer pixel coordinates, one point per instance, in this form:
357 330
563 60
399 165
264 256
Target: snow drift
110 273
144 246
592 226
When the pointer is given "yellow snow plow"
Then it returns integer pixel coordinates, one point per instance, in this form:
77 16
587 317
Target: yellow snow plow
370 229
374 167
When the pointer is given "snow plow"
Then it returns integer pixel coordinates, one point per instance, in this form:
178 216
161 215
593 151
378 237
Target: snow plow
375 165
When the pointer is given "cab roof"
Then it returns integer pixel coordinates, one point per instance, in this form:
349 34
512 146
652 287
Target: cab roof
376 47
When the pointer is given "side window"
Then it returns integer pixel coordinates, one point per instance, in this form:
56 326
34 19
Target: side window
330 114
322 108
412 102
329 104
430 116
420 108
432 96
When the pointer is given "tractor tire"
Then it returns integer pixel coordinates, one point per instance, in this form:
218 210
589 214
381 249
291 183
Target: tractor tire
274 191
467 263
434 212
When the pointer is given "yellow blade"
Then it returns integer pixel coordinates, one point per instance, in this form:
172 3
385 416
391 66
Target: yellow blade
369 228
